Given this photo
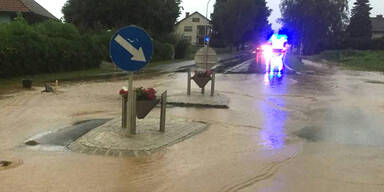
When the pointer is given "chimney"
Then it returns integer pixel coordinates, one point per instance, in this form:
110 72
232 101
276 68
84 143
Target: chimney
186 14
380 16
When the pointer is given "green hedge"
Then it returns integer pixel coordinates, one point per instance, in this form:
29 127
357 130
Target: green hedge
50 46
163 51
371 60
364 44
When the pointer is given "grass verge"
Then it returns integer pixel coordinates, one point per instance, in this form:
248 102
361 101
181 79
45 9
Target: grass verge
14 83
353 59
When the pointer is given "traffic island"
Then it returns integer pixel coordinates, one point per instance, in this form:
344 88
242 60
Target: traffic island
111 140
196 99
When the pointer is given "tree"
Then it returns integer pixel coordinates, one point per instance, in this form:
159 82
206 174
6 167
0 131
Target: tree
314 25
360 25
241 21
156 16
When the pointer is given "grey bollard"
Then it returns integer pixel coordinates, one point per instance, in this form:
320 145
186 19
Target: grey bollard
189 83
124 111
163 112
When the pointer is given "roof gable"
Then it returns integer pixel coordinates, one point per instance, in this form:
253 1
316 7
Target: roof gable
38 9
25 6
193 15
13 5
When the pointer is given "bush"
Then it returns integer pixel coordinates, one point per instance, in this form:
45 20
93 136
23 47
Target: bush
377 44
182 46
50 46
102 39
163 51
365 44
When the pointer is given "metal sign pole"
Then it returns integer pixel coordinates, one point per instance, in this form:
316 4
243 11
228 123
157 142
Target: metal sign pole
131 56
206 59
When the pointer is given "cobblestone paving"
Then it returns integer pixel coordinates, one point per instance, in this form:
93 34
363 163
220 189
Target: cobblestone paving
196 99
111 140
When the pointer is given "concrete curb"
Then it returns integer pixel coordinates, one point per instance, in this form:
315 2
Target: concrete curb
145 143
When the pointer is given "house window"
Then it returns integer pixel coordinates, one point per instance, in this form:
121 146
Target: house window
188 29
196 20
188 38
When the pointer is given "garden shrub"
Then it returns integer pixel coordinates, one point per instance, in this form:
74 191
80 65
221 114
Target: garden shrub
182 46
163 51
49 46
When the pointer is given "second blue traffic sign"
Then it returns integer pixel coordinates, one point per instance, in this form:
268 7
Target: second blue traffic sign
131 48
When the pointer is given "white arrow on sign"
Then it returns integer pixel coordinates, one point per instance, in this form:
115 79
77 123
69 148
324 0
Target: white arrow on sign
138 54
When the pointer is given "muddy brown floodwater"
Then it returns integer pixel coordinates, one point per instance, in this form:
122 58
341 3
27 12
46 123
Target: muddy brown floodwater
294 133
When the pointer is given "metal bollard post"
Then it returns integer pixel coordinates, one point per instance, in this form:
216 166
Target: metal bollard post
130 102
124 112
133 114
189 83
203 90
213 84
163 112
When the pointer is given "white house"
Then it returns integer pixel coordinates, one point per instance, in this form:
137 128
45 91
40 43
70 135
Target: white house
194 28
377 27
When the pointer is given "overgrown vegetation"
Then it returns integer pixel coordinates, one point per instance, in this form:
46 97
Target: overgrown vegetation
354 59
314 25
173 47
163 51
360 26
47 47
236 22
157 17
51 47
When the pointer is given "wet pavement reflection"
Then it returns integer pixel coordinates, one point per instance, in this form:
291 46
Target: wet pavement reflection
287 133
272 132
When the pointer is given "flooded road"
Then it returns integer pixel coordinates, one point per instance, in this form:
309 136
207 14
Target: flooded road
289 133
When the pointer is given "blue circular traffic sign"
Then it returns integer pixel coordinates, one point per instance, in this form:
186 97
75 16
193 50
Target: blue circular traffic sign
131 48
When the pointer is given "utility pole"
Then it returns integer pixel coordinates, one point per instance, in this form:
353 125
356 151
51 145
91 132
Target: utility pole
206 27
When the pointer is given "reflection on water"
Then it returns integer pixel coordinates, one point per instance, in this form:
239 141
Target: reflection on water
272 133
273 79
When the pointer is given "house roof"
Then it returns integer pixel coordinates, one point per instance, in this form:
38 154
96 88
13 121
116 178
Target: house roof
24 6
191 16
377 24
12 5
